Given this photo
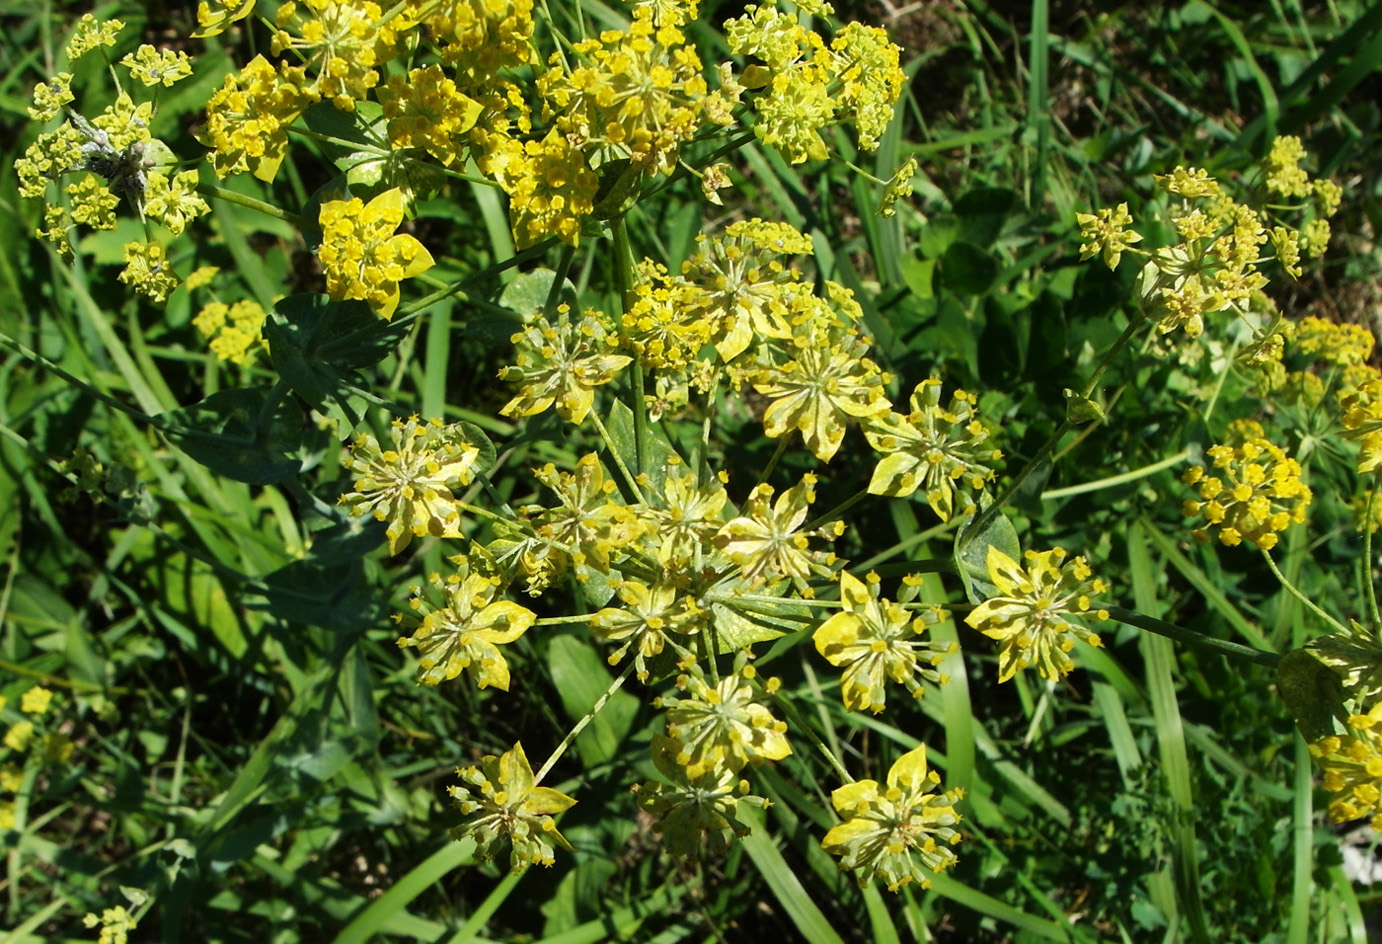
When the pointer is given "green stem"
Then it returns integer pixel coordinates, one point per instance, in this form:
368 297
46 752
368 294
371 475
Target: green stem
772 463
559 620
800 727
837 512
623 277
1370 593
618 459
1115 480
214 192
1066 425
553 300
1293 591
580 725
37 358
1176 633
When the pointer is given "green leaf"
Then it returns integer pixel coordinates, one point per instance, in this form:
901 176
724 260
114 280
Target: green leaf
329 595
982 213
525 298
581 678
620 183
1312 691
662 455
967 269
347 127
971 554
223 433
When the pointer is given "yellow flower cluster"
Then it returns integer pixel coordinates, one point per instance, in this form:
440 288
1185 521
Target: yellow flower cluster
465 632
874 640
551 188
1257 493
341 41
1342 345
512 807
1030 614
804 86
899 831
638 94
426 110
940 450
148 271
561 365
27 749
247 118
1352 768
1215 265
362 256
413 485
235 331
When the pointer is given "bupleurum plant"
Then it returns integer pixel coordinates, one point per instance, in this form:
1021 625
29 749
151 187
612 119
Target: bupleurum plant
611 502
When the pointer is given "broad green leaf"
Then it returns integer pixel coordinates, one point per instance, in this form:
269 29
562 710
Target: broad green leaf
967 269
1312 691
224 433
581 677
972 549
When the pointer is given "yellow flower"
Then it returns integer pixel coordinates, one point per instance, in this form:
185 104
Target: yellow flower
511 806
342 40
1029 614
50 97
35 701
361 255
115 923
247 118
465 633
723 725
551 188
148 271
940 450
158 67
765 541
1188 182
645 621
894 832
1284 174
91 33
693 811
1353 769
236 331
425 110
1257 494
586 520
413 485
19 735
561 365
1106 232
213 16
827 380
875 640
